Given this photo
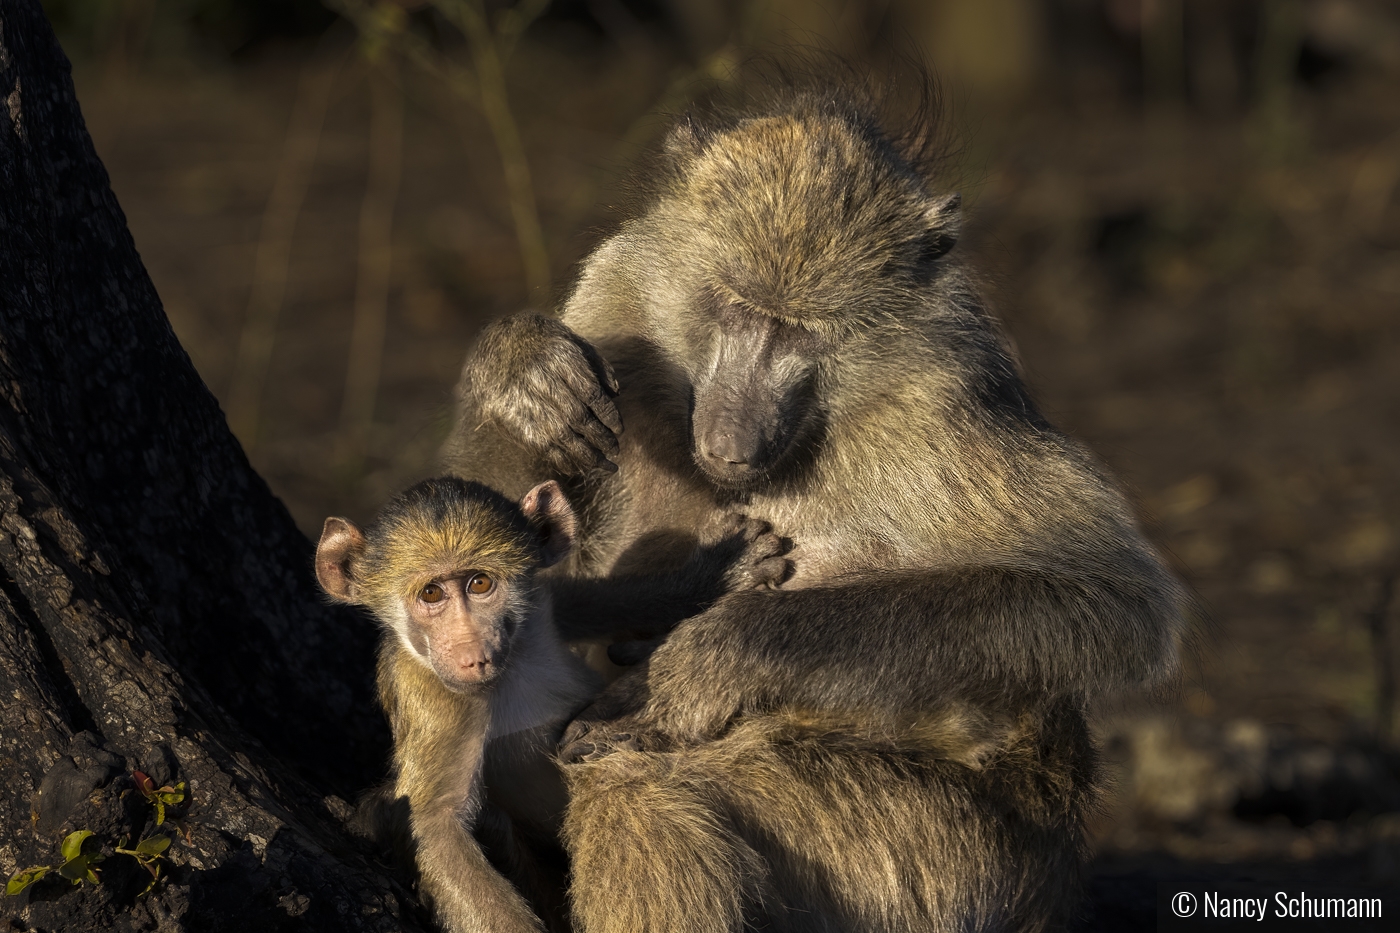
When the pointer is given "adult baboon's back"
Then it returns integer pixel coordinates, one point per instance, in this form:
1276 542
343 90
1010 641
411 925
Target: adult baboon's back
893 739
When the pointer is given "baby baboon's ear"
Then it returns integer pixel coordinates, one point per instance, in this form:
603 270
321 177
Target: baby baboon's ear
341 544
943 220
553 518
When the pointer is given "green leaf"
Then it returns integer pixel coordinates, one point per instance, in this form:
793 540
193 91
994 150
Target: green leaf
74 869
73 844
79 869
23 879
160 810
153 846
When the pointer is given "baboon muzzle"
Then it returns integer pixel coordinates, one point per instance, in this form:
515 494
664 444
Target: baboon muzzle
742 427
731 448
752 401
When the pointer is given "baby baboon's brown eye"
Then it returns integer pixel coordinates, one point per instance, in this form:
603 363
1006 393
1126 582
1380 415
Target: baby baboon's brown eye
480 585
431 593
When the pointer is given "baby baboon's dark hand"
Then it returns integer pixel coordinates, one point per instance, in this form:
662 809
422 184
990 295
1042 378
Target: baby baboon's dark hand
549 389
761 559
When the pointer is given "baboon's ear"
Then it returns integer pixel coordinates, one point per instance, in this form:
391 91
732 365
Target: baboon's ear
341 543
553 517
686 139
943 220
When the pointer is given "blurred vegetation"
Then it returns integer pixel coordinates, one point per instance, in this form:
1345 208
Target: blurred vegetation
163 28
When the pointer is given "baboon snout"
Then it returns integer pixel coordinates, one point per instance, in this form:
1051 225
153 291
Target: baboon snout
729 450
737 443
465 666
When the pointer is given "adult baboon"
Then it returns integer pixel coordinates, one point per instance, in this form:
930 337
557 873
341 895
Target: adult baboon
893 739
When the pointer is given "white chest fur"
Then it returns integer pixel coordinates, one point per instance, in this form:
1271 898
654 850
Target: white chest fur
544 683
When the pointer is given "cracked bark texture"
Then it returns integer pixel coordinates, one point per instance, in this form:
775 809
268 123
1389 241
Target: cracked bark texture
157 605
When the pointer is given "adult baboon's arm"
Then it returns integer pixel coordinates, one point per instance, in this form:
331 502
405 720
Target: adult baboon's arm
895 645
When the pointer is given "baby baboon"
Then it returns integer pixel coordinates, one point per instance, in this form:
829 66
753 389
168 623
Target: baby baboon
476 682
895 738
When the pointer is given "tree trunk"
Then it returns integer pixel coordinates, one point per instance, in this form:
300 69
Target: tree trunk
157 606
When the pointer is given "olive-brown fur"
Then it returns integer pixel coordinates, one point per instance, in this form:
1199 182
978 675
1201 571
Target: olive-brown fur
894 738
473 762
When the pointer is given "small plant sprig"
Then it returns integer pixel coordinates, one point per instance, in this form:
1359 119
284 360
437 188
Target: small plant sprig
148 852
159 797
77 865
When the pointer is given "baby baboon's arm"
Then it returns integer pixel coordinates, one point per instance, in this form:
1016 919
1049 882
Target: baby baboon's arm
439 741
748 555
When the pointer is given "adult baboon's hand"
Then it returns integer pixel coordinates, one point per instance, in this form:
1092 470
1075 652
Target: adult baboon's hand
547 388
610 723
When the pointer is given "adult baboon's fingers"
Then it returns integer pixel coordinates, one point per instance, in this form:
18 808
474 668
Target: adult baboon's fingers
746 528
582 385
767 545
601 367
597 434
573 732
772 572
602 407
605 411
584 456
585 750
590 744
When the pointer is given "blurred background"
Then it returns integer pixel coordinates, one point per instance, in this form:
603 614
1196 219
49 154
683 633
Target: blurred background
1185 210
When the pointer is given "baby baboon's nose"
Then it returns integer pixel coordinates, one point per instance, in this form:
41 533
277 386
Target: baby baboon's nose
474 666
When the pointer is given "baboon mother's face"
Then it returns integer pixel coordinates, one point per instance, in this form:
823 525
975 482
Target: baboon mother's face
755 395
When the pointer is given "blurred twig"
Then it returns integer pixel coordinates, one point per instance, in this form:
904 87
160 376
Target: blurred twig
274 254
129 28
490 49
1373 186
482 86
718 69
1164 51
375 262
1280 40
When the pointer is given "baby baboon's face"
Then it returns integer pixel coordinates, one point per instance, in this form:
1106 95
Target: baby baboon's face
448 567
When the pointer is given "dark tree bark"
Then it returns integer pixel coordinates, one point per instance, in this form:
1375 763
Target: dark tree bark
157 606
